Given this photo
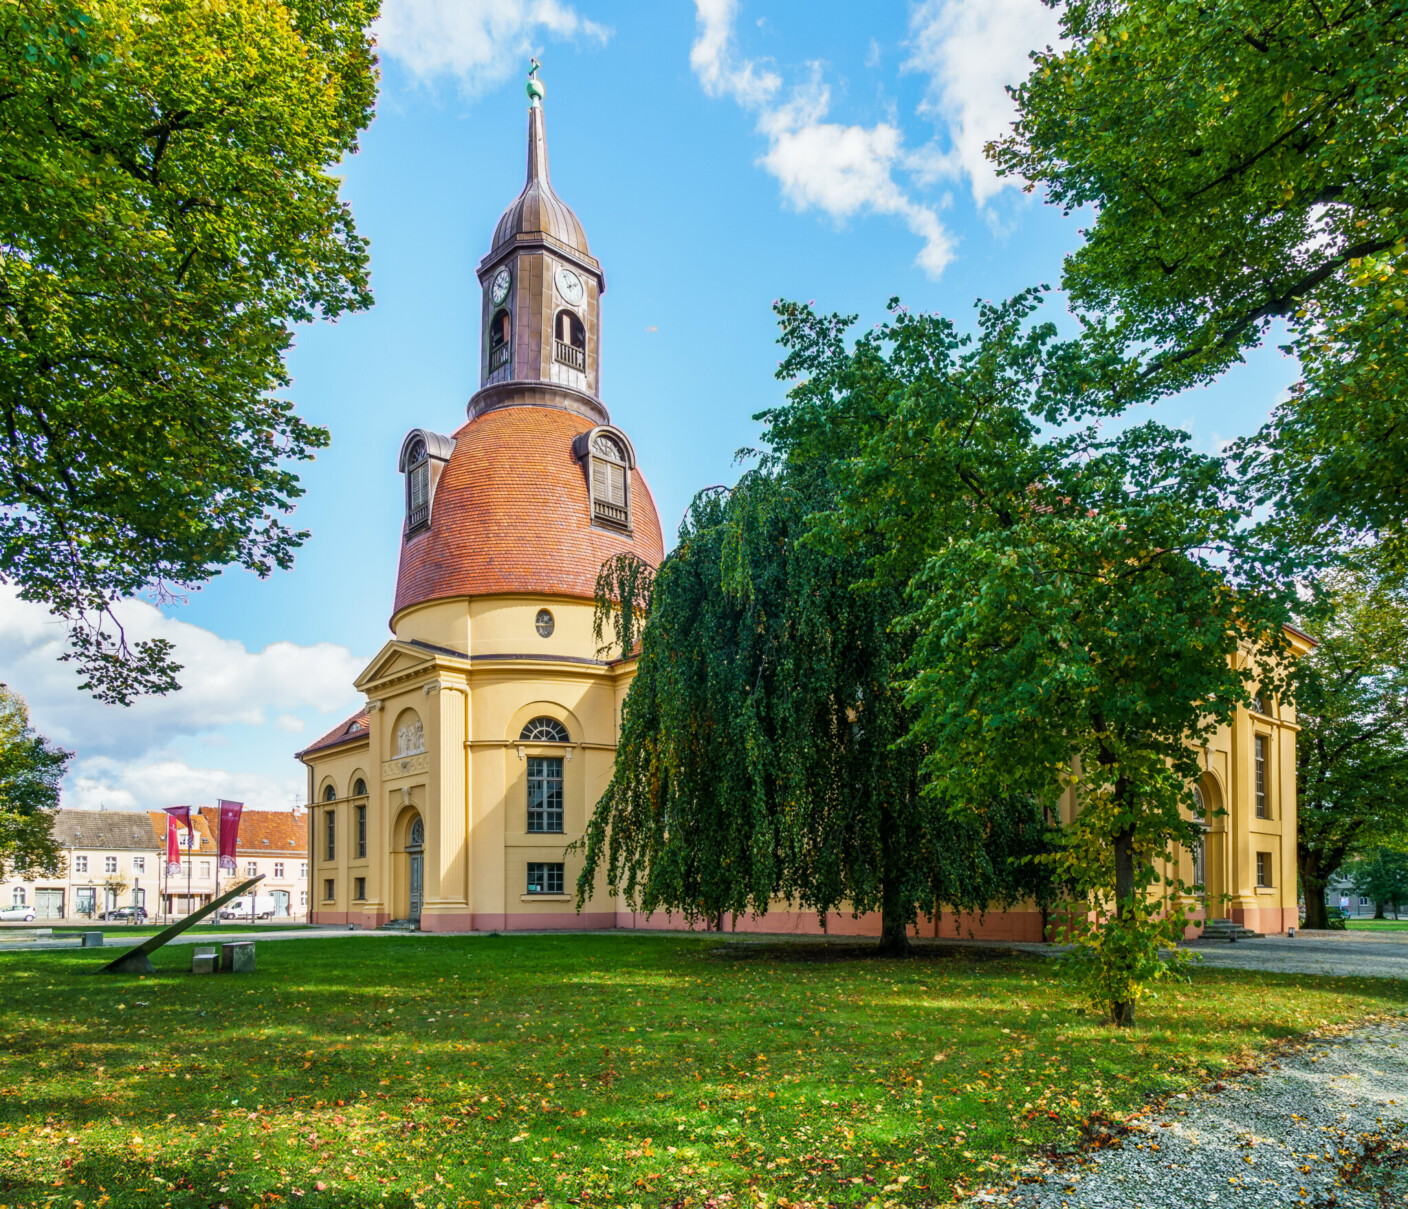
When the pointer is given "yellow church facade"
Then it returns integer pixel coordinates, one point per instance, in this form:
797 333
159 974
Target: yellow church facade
450 801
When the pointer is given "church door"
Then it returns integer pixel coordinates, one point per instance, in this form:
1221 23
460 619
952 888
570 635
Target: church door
415 849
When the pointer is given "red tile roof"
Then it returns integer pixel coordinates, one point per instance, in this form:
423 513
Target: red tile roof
511 514
345 731
266 832
207 837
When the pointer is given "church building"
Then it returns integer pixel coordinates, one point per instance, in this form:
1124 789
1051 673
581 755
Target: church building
491 720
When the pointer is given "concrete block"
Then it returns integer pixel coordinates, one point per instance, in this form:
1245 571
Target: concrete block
91 940
237 957
205 961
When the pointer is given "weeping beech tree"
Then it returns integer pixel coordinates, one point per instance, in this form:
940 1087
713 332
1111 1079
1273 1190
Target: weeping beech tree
762 754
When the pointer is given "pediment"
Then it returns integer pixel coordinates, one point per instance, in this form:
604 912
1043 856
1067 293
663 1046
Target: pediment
398 659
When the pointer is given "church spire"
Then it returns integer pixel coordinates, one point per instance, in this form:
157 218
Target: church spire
537 130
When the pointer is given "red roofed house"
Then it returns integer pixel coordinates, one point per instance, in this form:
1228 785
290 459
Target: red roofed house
490 722
273 843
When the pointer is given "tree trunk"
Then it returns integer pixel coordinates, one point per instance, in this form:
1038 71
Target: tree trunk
1122 1013
1312 881
894 918
1379 910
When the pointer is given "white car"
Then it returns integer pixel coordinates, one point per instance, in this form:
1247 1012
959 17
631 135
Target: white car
17 912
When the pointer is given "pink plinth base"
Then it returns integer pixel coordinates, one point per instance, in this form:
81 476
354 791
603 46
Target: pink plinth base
1266 920
996 925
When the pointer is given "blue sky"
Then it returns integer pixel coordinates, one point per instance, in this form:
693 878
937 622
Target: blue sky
720 154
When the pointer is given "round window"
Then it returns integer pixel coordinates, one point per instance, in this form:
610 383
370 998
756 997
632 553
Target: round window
544 624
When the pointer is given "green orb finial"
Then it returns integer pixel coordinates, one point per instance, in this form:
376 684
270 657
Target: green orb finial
536 91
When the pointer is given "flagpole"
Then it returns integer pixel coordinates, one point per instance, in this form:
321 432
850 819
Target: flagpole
218 830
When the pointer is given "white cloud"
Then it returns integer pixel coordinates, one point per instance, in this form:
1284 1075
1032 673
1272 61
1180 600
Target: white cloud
840 170
101 783
971 50
131 757
481 43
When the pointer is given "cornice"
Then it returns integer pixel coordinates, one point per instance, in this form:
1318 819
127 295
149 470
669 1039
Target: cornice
531 392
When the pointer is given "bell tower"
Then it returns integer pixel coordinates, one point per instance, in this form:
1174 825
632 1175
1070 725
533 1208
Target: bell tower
541 312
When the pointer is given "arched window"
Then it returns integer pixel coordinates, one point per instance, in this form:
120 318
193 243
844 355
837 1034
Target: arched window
359 788
416 839
330 794
570 340
544 730
417 487
610 493
500 340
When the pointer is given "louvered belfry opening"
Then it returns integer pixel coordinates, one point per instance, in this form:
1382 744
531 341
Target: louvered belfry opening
418 488
611 502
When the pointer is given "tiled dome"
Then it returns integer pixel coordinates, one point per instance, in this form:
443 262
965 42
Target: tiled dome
512 514
538 211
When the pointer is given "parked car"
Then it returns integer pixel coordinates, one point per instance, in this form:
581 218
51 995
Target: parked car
124 913
25 913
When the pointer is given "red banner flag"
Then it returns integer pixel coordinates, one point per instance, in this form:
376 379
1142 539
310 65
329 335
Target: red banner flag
173 849
229 833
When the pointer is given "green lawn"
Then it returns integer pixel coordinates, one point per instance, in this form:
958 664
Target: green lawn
1377 925
604 1070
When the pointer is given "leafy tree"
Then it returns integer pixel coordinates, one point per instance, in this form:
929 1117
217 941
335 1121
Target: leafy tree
1084 605
1247 162
1382 875
166 215
30 772
761 754
1351 697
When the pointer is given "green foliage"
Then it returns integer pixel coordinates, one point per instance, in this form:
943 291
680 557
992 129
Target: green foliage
1382 876
761 754
30 772
1087 609
1351 697
166 216
623 591
1247 161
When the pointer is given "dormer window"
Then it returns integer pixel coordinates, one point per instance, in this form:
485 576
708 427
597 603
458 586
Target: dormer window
610 498
569 344
417 488
423 457
608 460
500 341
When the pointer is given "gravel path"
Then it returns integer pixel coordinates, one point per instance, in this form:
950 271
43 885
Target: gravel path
1359 958
1280 1137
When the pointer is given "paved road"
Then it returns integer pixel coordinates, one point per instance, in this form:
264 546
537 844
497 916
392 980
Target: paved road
1345 955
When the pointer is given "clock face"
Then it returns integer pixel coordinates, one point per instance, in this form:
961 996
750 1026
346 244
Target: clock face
499 290
570 286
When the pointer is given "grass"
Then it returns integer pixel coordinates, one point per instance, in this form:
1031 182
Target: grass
603 1070
1377 925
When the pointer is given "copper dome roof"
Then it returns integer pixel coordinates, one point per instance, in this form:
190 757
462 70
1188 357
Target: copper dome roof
538 212
511 514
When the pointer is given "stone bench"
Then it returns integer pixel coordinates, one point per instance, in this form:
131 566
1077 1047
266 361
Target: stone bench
237 957
205 961
90 940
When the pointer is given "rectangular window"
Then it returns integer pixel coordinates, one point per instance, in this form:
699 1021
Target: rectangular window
303 869
87 900
303 898
332 834
278 868
139 864
544 793
109 864
544 879
1263 868
205 868
1261 811
251 869
361 832
1363 902
360 888
80 864
328 889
